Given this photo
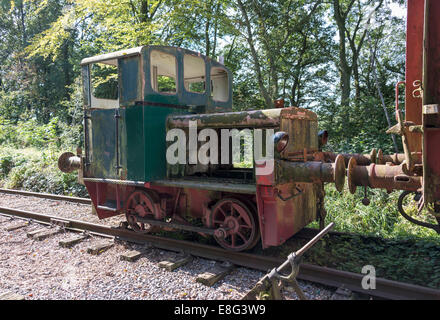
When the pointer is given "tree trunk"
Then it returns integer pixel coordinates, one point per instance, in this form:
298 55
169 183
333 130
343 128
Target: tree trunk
217 13
22 21
344 69
255 58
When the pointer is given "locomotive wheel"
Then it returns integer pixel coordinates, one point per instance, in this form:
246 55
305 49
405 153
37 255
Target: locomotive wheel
238 222
142 204
253 208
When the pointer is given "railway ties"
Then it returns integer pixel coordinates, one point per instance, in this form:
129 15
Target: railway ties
172 261
100 247
131 255
71 241
11 296
16 226
175 262
41 234
218 272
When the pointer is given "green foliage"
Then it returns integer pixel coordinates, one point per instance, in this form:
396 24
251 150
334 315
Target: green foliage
285 49
381 218
6 165
413 260
29 133
36 170
166 84
29 154
381 237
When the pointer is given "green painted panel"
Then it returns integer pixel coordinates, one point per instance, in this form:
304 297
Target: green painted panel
129 79
163 98
103 153
134 147
155 141
122 147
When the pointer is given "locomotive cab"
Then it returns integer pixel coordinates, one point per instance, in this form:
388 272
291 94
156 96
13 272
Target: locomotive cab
128 96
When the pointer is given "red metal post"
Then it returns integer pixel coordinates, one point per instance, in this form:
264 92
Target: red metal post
431 102
414 68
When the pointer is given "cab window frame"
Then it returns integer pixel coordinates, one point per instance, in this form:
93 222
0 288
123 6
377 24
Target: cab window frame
103 103
226 83
154 83
204 78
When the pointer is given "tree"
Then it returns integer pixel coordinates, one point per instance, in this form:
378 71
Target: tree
29 84
310 52
350 16
273 31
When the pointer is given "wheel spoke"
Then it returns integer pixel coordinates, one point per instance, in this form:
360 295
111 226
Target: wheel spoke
233 240
244 220
222 212
242 236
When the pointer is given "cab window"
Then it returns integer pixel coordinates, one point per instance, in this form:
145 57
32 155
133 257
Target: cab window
163 72
219 84
194 73
104 84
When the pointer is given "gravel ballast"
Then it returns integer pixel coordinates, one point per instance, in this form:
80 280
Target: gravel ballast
44 270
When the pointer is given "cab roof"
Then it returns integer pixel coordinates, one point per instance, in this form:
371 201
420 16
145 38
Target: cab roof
111 58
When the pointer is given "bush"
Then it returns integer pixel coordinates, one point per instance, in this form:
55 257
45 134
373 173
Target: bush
6 165
35 170
380 218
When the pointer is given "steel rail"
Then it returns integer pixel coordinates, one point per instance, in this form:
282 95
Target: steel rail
47 196
385 289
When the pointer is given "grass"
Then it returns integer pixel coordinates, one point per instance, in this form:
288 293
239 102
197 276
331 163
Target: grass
381 218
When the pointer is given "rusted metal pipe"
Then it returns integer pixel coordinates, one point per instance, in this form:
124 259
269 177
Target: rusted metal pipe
396 158
376 176
312 172
374 157
69 162
245 119
362 159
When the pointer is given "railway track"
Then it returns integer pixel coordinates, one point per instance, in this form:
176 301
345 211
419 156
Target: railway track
47 196
306 233
385 289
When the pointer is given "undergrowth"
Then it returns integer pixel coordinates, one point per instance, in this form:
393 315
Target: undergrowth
380 218
29 153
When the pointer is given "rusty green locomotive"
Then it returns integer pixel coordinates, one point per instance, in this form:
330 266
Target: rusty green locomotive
132 98
135 99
